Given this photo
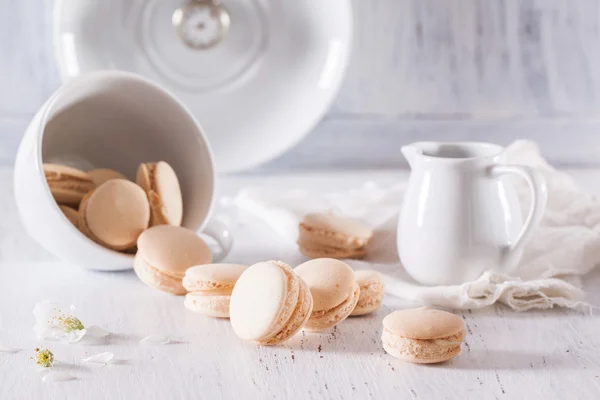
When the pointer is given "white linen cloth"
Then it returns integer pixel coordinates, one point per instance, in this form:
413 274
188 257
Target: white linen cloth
566 246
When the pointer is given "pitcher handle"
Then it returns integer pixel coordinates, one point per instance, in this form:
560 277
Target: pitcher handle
537 205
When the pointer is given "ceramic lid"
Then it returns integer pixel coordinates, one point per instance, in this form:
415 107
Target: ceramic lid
257 75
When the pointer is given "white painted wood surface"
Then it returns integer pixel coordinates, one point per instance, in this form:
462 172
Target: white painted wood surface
465 61
552 354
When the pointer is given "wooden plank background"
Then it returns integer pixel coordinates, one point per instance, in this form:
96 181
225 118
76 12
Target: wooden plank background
523 68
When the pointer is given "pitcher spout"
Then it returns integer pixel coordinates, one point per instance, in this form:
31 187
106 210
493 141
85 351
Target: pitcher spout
410 152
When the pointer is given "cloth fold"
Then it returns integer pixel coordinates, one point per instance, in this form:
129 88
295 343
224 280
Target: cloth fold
566 246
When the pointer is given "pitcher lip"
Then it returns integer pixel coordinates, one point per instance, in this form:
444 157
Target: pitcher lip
471 150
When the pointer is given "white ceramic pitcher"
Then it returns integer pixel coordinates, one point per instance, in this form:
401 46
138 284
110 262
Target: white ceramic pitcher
460 215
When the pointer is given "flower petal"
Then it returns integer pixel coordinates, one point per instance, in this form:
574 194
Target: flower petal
97 332
156 339
102 358
57 376
75 336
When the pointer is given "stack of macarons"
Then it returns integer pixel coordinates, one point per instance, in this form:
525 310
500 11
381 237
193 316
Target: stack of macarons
111 210
329 235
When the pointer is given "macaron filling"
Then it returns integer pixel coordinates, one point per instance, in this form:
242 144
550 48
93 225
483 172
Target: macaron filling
324 319
208 304
432 350
298 318
371 296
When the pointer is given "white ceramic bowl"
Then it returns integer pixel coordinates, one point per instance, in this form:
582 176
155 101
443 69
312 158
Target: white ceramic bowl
115 120
257 92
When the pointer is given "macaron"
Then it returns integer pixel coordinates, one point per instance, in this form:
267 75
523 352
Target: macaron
71 214
164 254
210 287
101 175
422 335
329 235
68 185
114 214
161 185
334 290
371 291
269 303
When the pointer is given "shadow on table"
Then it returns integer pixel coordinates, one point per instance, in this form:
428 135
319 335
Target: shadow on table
505 360
356 335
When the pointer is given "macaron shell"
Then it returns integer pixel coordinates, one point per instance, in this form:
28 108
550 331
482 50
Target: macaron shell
259 301
54 172
423 323
329 281
326 319
297 320
212 276
329 222
173 249
164 192
71 214
101 175
115 213
156 279
208 305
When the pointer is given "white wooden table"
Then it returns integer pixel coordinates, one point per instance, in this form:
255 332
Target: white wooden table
553 354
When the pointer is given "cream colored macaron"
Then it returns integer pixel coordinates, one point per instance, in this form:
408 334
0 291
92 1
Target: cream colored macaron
114 214
210 287
371 291
334 290
101 175
68 185
332 236
164 194
164 254
269 303
71 214
423 335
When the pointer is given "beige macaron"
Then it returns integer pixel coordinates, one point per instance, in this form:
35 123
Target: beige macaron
71 214
164 254
371 291
210 287
164 194
68 185
423 335
101 175
114 214
334 290
329 235
269 303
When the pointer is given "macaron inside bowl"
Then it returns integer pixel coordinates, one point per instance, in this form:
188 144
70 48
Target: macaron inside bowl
161 185
422 335
114 214
371 291
68 185
269 303
71 214
334 290
101 175
210 288
164 254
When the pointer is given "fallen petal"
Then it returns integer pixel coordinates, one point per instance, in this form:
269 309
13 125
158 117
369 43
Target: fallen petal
97 332
101 358
156 339
57 376
75 336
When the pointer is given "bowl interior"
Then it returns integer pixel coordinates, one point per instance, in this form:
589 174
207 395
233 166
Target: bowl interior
118 121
